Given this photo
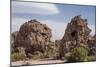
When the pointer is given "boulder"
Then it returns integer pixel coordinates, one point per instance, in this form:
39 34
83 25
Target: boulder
33 36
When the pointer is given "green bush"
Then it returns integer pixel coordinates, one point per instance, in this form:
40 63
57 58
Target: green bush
17 56
50 51
91 58
78 54
49 54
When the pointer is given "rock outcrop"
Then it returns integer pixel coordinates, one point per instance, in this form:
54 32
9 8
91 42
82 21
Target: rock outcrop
33 36
92 45
76 35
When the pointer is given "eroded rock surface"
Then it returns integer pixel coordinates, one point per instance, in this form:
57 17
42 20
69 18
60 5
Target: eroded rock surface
33 36
76 35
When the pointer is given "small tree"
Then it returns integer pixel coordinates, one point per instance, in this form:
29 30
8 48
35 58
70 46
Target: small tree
78 54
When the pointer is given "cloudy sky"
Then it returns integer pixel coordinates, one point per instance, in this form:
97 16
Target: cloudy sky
56 16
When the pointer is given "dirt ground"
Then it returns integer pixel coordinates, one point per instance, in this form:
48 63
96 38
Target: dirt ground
35 62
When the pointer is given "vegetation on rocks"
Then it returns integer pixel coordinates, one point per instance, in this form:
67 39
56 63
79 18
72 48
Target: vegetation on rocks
33 41
79 54
17 57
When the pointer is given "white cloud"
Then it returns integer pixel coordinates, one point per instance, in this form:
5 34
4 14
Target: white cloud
58 28
92 27
34 8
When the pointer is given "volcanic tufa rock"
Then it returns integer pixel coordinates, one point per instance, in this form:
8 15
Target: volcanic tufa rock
76 35
33 36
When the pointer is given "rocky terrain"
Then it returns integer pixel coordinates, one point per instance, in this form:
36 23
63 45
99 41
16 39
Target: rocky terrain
77 34
33 41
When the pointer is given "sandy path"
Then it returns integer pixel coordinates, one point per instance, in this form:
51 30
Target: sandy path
34 62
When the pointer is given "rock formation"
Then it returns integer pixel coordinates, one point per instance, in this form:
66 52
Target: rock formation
76 35
92 45
33 36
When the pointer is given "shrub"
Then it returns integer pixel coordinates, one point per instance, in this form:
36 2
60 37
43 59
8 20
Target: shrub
49 54
78 54
91 58
17 56
50 51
